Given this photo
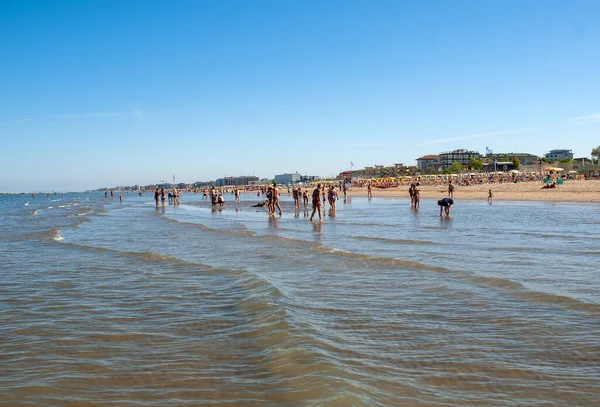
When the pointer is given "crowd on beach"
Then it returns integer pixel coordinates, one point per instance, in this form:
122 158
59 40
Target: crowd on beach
318 195
471 179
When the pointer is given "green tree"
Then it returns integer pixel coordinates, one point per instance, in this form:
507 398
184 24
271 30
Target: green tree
516 163
596 153
475 164
456 167
564 160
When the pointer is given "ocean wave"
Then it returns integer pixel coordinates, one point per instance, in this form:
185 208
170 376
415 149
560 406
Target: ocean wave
317 247
80 221
522 292
53 234
146 256
521 249
557 236
507 286
391 240
245 232
85 213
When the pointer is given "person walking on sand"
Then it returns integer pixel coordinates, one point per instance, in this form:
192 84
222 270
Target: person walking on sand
450 189
316 202
446 205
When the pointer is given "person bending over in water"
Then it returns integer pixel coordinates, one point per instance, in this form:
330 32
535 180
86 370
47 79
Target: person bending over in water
446 205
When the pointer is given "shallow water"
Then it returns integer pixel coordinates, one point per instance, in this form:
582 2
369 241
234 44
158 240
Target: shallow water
129 304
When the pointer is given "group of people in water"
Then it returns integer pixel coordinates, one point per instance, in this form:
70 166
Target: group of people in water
112 194
320 196
160 195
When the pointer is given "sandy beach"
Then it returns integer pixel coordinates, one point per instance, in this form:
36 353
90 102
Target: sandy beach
570 191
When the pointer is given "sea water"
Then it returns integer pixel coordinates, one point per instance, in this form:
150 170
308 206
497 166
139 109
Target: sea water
133 304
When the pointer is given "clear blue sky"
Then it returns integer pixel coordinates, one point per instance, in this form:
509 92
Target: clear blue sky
105 93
